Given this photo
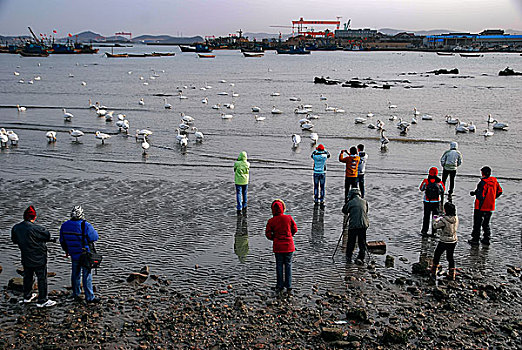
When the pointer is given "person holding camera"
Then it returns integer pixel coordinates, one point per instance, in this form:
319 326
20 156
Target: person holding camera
77 235
352 163
32 240
486 193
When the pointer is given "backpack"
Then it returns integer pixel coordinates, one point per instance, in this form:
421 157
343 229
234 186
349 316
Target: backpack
432 190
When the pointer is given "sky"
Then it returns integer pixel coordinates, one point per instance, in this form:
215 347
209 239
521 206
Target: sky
222 17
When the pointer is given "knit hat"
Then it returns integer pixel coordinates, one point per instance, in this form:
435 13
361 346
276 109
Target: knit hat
320 147
454 145
433 171
77 213
29 213
486 171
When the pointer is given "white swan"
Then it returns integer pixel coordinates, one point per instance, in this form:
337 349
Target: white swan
413 120
274 94
235 94
100 111
229 105
4 139
21 109
328 108
314 137
226 116
380 124
102 136
390 106
256 109
183 126
293 98
276 111
141 102
461 128
67 116
167 105
259 118
500 126
296 140
372 126
322 98
123 125
198 134
369 115
223 93
313 116
13 137
181 96
415 111
76 134
487 133
307 126
300 110
205 100
30 82
490 119
16 73
37 78
338 110
472 127
216 106
143 134
384 140
51 136
452 121
187 119
360 120
223 81
145 146
309 107
426 117
180 136
392 117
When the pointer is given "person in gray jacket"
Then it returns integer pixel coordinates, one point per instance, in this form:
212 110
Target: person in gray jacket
357 211
450 161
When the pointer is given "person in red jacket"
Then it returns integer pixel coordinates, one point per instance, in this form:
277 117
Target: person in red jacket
487 191
433 189
281 229
352 165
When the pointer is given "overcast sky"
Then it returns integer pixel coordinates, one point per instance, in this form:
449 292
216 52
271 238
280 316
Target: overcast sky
221 17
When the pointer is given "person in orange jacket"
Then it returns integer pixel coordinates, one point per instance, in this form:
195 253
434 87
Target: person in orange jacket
352 164
487 191
433 189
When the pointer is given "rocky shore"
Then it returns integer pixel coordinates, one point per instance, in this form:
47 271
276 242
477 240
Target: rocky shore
374 312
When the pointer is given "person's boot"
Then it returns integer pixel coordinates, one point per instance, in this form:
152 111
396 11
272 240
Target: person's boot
451 274
433 272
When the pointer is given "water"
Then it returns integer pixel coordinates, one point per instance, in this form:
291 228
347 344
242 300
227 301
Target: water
174 209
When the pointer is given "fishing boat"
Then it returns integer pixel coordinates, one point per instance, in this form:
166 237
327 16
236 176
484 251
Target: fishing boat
116 55
201 55
445 53
293 51
253 54
34 50
196 48
470 55
163 54
34 54
252 49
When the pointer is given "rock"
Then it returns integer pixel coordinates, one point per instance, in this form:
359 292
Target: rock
138 277
390 261
16 284
508 72
357 315
400 281
331 334
413 290
346 344
145 270
420 268
394 336
445 71
439 294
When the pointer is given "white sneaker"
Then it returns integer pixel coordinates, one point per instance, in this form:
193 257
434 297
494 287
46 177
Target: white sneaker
26 301
48 303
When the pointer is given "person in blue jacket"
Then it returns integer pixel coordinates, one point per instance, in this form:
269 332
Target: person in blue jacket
73 244
320 156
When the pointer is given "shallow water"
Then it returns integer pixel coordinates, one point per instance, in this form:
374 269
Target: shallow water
175 209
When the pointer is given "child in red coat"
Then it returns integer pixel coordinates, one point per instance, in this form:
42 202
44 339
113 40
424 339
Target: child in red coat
281 229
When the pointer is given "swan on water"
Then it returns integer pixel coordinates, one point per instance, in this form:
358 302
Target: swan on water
471 127
293 98
167 105
21 109
198 134
360 120
322 98
30 82
145 146
108 116
223 93
235 94
390 106
328 108
222 81
229 105
37 78
499 126
4 139
66 115
380 124
13 137
187 119
415 111
181 96
183 126
426 117
274 94
307 126
76 134
100 112
312 116
276 110
314 137
487 133
338 110
452 121
91 105
123 125
296 140
369 115
490 119
180 135
205 100
256 109
259 118
16 73
413 120
217 106
143 134
309 107
141 102
372 126
226 116
21 81
51 136
384 140
102 136
393 117
145 83
83 83
300 110
461 128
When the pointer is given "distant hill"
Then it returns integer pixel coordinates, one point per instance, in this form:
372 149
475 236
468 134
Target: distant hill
513 31
87 36
166 39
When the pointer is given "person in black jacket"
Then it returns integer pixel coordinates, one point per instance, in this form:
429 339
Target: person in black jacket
31 240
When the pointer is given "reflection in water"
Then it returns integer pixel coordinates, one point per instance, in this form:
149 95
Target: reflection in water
241 238
478 258
427 249
317 237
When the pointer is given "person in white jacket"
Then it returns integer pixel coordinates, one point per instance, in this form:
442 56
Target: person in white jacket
450 161
449 223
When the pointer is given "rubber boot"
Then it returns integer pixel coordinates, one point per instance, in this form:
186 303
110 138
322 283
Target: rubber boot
433 273
451 274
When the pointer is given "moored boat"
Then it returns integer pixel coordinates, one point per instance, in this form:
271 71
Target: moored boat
201 55
253 54
445 53
470 55
196 48
293 51
116 55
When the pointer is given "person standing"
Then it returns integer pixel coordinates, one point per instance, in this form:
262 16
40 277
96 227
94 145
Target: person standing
486 193
357 211
450 161
361 169
433 189
320 156
76 235
352 163
241 171
32 240
449 223
281 229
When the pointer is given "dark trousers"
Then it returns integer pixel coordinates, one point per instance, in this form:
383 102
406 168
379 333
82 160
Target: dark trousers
481 218
41 275
452 174
348 183
284 270
360 182
430 209
449 248
354 234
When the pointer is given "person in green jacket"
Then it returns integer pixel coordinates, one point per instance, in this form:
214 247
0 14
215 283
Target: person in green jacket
241 170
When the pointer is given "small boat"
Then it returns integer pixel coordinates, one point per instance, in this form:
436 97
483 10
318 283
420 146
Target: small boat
201 55
116 55
445 53
197 48
136 55
470 55
293 51
163 54
34 54
253 54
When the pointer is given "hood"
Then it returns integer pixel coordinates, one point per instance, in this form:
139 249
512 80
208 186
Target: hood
354 192
454 145
242 156
278 207
433 171
450 219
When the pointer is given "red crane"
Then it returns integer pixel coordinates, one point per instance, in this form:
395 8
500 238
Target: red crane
124 33
299 24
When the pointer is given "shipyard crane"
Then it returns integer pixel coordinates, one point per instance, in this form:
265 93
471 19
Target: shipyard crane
347 24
